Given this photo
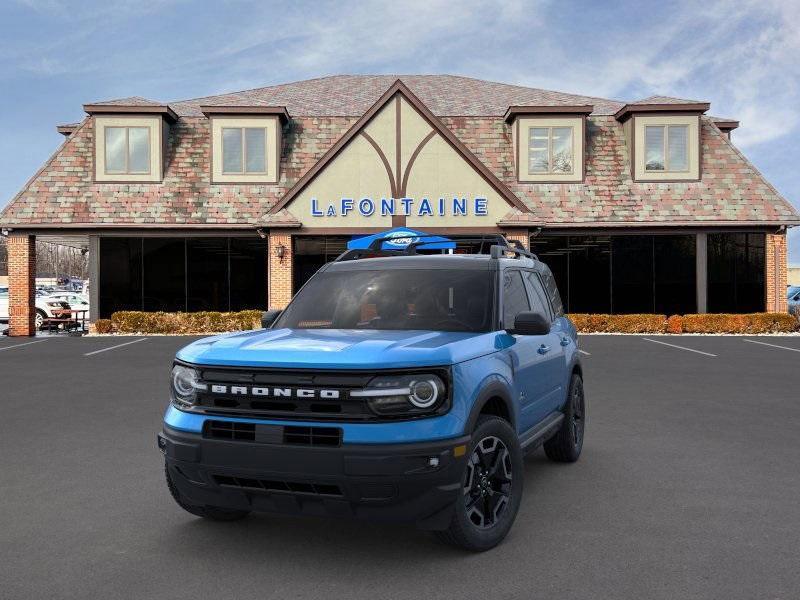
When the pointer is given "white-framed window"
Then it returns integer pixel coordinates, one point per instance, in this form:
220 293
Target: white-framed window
244 150
550 150
666 148
127 150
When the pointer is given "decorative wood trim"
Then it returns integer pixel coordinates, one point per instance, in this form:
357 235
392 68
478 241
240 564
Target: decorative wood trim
412 158
279 111
384 160
630 109
399 87
131 109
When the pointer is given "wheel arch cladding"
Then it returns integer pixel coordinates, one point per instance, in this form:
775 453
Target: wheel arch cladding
495 400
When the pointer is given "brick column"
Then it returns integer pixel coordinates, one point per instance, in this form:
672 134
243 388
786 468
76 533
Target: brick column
775 273
21 284
521 235
280 270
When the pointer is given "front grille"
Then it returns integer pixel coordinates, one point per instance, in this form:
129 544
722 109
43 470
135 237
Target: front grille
273 434
269 485
277 406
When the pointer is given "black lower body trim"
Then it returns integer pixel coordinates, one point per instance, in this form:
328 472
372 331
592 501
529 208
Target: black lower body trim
411 483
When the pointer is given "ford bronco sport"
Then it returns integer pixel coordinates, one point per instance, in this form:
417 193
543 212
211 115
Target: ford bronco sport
395 386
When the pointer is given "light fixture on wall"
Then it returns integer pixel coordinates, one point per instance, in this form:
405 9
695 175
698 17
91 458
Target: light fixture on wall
280 252
5 232
261 233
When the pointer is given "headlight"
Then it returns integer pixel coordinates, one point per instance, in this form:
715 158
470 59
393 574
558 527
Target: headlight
185 384
397 395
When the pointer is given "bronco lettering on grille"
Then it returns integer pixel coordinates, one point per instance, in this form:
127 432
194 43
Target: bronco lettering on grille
275 392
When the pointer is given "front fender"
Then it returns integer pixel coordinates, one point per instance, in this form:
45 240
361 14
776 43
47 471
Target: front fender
478 381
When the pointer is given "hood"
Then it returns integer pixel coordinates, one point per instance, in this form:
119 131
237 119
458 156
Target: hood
339 348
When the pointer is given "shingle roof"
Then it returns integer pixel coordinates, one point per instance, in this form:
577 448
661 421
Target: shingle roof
352 95
666 100
63 193
130 101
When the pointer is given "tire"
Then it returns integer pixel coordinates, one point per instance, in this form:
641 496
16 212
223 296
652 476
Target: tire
214 513
39 318
567 443
487 507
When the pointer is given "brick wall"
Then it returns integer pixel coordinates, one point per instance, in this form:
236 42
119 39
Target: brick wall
21 284
776 273
280 271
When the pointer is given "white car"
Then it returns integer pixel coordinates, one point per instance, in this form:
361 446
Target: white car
46 307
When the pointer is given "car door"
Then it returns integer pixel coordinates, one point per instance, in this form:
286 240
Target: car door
528 354
554 368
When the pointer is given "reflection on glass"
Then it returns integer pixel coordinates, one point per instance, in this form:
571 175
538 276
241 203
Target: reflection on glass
538 150
138 150
678 146
231 150
255 149
115 150
562 149
654 148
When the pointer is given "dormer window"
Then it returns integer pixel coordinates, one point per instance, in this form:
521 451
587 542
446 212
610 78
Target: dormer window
127 150
548 142
550 150
244 150
245 143
666 148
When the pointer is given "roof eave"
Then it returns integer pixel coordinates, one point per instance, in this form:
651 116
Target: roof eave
576 109
279 111
131 109
629 109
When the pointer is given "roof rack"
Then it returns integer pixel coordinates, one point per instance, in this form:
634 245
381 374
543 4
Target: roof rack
498 248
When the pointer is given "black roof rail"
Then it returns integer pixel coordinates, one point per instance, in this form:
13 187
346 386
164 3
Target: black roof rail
499 246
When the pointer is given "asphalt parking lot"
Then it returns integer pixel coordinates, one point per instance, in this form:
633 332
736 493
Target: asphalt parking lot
688 487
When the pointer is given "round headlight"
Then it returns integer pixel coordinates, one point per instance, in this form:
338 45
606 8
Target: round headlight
424 393
185 383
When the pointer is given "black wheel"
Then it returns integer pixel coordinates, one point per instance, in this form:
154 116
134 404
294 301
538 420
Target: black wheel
491 488
566 445
215 513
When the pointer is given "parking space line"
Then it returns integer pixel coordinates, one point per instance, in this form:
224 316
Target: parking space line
114 347
771 345
680 347
20 345
584 352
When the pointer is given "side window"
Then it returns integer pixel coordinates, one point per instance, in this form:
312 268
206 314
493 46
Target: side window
537 295
551 289
515 298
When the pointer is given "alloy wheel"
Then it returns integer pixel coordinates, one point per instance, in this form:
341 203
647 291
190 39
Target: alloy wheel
487 486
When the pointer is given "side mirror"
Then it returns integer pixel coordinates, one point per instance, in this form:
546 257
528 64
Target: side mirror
530 323
268 318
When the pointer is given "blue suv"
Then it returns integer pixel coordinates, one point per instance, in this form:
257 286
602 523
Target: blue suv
398 386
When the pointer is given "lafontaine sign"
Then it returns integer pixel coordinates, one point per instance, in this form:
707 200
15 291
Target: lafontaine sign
422 207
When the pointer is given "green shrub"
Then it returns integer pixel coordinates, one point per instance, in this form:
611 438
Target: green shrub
196 322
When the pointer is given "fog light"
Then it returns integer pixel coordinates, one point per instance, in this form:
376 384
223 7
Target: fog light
433 461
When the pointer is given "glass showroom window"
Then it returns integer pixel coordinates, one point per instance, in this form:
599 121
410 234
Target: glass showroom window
127 150
666 148
244 150
550 150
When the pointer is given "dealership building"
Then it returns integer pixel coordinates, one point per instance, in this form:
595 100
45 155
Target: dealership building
233 201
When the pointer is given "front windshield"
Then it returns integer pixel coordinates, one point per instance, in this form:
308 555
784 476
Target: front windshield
439 300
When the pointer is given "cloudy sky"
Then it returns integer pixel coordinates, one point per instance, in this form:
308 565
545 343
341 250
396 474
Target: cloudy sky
741 55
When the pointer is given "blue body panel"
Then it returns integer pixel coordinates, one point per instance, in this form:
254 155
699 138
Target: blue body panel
339 348
477 361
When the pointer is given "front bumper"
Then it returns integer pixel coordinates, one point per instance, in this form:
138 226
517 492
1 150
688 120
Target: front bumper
412 483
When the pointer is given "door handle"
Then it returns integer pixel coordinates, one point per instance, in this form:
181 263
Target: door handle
543 349
565 341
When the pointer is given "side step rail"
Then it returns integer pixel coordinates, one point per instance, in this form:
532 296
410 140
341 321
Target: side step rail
537 435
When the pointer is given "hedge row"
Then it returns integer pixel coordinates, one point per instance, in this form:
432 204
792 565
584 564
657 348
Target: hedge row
706 323
214 322
196 322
